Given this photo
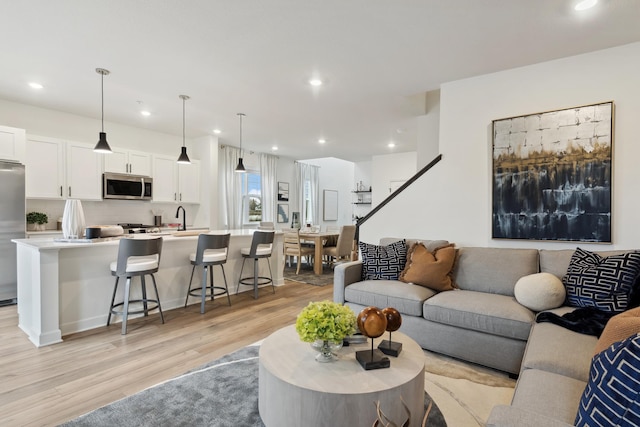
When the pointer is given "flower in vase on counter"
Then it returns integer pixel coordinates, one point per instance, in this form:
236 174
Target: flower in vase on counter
37 220
326 321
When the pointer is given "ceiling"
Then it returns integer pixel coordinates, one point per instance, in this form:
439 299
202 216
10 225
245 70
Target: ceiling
377 59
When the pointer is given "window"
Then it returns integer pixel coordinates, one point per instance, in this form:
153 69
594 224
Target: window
251 198
308 212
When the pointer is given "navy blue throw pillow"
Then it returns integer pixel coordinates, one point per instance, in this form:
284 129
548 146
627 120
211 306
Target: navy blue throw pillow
383 262
612 395
603 283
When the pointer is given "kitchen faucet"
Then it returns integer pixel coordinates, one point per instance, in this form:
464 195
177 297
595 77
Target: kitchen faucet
184 217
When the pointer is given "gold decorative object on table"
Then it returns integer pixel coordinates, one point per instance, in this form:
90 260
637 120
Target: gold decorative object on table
394 320
372 323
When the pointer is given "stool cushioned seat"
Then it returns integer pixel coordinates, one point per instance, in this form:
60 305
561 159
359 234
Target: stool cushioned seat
210 256
137 265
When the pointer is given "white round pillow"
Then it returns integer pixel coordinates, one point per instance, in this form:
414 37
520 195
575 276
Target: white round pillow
540 291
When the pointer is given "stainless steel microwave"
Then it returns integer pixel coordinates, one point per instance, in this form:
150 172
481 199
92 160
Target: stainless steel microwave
126 187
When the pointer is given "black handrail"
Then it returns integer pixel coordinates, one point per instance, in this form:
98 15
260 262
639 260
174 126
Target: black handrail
391 196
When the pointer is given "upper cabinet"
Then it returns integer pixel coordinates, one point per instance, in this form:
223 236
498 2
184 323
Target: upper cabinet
165 178
128 162
189 182
44 173
12 144
57 169
173 182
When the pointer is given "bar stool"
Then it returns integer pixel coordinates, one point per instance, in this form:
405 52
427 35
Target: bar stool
212 250
136 257
261 247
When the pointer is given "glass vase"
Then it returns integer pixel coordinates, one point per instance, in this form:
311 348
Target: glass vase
326 349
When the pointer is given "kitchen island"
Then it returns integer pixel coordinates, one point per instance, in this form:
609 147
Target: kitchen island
66 287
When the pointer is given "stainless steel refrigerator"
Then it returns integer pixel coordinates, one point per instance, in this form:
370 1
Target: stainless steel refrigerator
12 226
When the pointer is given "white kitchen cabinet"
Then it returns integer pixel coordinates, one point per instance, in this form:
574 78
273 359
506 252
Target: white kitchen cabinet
173 182
165 179
189 182
128 162
58 169
12 144
44 172
84 172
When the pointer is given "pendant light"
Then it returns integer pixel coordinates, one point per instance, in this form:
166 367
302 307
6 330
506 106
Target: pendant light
240 168
183 159
102 146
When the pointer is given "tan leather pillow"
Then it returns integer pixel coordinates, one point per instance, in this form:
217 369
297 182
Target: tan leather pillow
430 269
619 327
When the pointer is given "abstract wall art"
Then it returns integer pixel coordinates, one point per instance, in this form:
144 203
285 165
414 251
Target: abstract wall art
552 175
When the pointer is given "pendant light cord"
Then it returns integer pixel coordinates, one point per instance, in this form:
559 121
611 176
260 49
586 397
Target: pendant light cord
102 95
183 120
240 115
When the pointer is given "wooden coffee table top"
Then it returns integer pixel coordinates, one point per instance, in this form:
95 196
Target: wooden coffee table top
293 361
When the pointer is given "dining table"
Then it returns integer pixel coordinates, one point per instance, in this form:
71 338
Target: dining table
318 238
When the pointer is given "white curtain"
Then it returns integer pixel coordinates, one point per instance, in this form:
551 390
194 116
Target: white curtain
307 173
268 190
231 188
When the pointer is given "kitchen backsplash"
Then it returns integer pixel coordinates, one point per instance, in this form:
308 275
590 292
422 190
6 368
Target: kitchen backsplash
114 211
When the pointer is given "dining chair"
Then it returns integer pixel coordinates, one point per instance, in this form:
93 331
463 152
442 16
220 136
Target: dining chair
294 248
266 225
343 247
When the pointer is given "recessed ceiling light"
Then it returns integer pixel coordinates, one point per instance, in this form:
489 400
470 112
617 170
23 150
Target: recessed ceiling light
274 148
217 131
315 82
322 141
35 85
145 113
585 4
391 145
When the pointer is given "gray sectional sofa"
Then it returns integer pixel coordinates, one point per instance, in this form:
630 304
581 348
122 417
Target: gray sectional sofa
482 322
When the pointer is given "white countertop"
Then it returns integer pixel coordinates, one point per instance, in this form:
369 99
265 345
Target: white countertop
48 243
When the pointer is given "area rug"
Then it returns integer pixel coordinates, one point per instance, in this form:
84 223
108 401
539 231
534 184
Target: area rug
465 392
223 393
307 275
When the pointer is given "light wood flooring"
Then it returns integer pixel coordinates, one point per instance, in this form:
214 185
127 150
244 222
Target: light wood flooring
50 385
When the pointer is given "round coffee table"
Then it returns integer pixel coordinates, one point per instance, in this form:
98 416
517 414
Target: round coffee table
295 390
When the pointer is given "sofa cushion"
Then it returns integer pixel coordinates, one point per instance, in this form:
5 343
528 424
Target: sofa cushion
549 394
619 327
431 245
383 262
555 349
540 291
479 311
407 298
431 269
556 261
493 270
603 283
612 397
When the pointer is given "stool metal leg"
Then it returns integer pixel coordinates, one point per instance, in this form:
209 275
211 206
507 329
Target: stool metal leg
125 308
225 285
145 305
240 278
271 274
155 287
255 278
203 289
113 300
189 290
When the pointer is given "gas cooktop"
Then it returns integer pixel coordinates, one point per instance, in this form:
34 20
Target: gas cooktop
137 228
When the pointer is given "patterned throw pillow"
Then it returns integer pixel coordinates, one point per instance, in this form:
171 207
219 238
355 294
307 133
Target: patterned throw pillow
383 262
603 283
611 397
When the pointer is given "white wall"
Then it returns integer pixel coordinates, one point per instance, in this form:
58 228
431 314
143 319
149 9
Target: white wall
389 171
335 174
453 200
428 129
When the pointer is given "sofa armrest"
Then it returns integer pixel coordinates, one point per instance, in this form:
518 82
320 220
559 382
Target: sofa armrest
509 416
343 275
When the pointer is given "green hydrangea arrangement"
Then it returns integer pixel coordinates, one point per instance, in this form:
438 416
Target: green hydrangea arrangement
326 321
